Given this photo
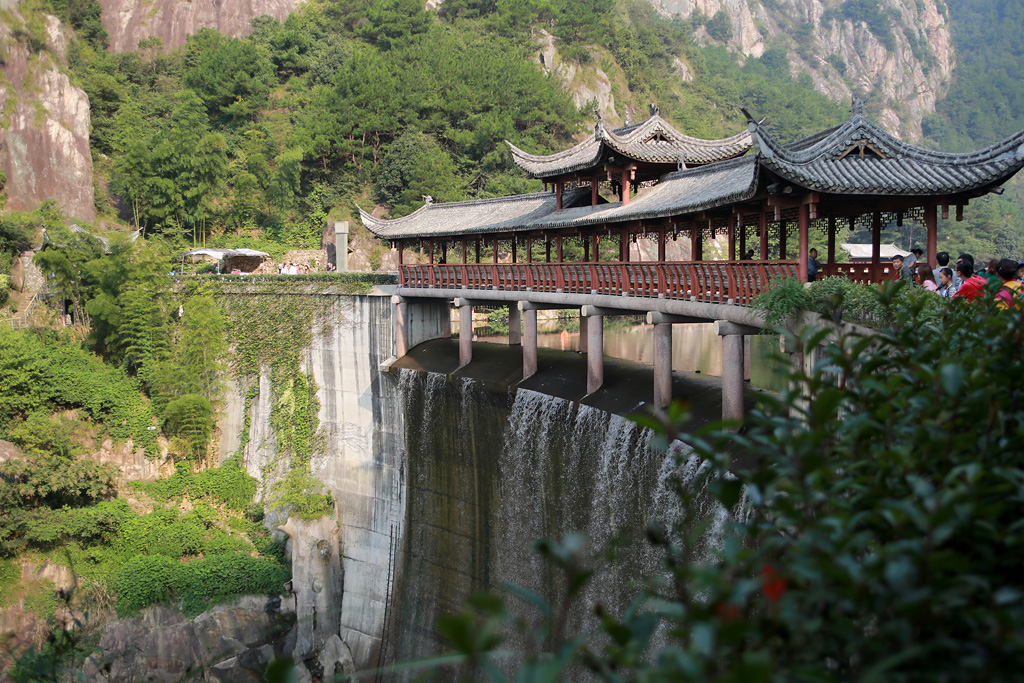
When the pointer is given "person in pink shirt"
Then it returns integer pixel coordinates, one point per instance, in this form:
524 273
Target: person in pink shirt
926 278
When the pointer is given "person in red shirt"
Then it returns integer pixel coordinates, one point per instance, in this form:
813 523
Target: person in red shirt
973 286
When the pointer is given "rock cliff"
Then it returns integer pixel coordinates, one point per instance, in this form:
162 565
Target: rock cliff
44 147
903 61
173 21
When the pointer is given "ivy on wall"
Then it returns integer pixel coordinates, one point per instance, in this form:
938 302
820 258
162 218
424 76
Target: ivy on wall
270 334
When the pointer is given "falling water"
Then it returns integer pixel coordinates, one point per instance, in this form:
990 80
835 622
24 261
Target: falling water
490 472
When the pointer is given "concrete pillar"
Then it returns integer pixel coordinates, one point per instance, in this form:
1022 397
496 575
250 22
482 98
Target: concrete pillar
341 245
595 353
401 326
529 342
662 364
732 377
583 334
515 326
465 335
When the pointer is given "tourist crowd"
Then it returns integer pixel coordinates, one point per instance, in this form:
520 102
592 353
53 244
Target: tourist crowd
959 280
963 279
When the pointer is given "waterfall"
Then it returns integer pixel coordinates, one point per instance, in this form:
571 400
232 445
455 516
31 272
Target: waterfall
490 472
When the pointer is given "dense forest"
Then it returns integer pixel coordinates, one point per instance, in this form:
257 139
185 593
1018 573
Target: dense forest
352 102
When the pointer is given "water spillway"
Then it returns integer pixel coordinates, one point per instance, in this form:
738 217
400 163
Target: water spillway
491 469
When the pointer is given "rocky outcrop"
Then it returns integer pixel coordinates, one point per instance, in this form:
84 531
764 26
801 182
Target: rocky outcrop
588 85
230 642
44 150
843 56
317 582
173 21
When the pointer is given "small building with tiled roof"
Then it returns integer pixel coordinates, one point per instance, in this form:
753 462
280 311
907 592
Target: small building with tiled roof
627 156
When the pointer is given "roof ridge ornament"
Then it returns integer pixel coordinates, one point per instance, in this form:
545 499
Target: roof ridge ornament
654 109
598 125
427 199
857 107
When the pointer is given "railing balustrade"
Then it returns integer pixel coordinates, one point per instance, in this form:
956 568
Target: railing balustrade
709 281
865 273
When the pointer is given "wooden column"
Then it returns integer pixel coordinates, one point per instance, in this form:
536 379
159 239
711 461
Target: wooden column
465 251
624 246
595 244
782 240
529 250
558 196
547 250
477 250
661 244
593 191
804 223
743 236
625 187
558 248
401 252
876 238
831 240
931 223
515 250
495 248
696 242
586 249
732 238
763 232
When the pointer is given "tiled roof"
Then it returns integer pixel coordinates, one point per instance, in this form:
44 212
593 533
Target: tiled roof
654 140
677 193
859 158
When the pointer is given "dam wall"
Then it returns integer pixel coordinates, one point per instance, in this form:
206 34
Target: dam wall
441 482
362 457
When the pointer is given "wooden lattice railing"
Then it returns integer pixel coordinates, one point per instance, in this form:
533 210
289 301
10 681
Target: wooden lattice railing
711 281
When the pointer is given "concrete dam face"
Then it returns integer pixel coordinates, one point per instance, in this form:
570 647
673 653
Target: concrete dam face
441 483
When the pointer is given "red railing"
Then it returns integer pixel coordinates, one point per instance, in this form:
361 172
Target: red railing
867 273
710 281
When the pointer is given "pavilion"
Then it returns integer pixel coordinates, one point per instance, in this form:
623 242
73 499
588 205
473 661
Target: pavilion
649 180
853 172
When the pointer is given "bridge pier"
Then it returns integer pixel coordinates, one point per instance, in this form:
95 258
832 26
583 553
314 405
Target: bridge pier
662 323
418 319
595 352
515 326
583 334
733 345
529 342
465 333
662 364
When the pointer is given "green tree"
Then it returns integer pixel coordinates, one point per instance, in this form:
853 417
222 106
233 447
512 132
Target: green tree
191 419
414 166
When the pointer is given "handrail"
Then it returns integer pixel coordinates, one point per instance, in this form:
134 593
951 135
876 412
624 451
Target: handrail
709 281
